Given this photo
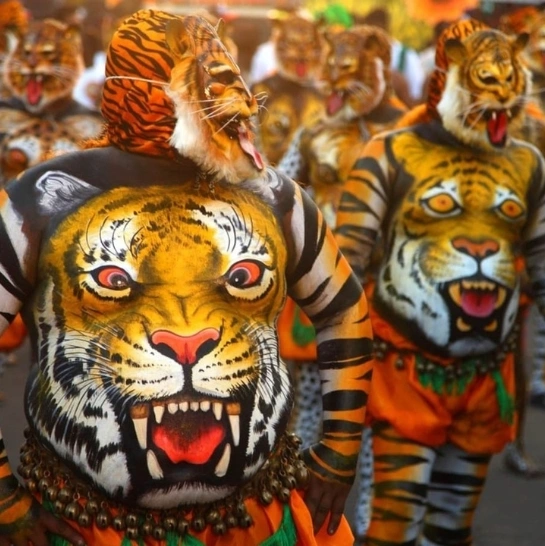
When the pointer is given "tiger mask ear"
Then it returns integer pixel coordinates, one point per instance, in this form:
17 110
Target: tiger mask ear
179 41
521 41
455 51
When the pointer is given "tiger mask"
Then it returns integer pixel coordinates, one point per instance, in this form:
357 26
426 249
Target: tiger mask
44 65
486 88
358 71
172 88
162 305
299 47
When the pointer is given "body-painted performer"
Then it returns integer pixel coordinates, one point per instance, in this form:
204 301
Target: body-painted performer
150 271
291 98
360 104
458 202
39 117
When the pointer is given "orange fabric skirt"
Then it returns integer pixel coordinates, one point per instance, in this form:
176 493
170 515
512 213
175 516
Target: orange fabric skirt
14 336
471 419
267 520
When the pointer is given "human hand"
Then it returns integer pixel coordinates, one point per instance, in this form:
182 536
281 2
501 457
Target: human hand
325 498
32 527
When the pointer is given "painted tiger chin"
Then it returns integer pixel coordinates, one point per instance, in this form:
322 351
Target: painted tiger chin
214 107
158 308
486 88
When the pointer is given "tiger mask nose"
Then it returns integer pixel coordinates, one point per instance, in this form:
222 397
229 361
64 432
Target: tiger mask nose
186 350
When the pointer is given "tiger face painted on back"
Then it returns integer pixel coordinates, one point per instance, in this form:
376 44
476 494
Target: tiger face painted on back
167 300
45 64
172 88
486 88
358 71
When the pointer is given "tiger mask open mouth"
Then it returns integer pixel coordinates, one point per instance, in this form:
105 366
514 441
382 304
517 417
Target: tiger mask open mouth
214 107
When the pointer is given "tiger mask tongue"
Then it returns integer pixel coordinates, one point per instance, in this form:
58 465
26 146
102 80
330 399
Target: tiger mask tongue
496 127
248 147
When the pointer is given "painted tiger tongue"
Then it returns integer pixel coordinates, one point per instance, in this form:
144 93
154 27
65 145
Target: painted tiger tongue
301 69
33 91
334 103
192 443
497 127
477 303
247 145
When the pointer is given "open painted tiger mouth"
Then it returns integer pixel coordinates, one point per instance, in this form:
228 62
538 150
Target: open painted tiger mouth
187 431
241 130
479 303
34 88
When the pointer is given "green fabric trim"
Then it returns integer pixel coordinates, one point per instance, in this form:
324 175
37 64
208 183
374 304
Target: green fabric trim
286 534
506 402
303 334
442 381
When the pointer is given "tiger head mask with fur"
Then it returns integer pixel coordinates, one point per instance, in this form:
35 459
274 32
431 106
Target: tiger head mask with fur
479 85
172 88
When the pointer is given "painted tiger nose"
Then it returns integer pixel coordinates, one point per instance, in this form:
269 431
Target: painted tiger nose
185 349
477 249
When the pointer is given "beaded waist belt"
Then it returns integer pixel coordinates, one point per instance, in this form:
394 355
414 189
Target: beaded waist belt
70 497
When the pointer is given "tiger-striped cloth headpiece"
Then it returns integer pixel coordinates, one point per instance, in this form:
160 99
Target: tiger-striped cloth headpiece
139 115
460 30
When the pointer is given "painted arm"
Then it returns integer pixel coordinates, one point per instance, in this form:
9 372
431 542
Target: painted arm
323 285
363 206
22 520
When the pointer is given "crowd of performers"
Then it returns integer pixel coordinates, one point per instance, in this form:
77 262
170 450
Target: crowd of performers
243 295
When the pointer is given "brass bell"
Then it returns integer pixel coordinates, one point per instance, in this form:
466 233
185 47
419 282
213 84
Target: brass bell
147 528
198 524
51 493
72 510
31 485
213 516
301 475
92 506
131 520
245 521
102 520
169 523
84 519
37 473
266 497
118 523
219 528
44 484
27 458
182 527
231 521
275 486
65 494
284 494
25 471
290 482
132 533
240 509
59 506
158 533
